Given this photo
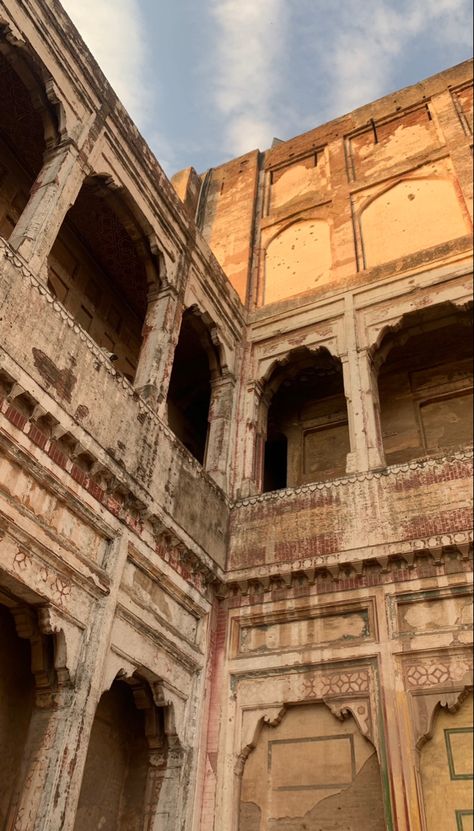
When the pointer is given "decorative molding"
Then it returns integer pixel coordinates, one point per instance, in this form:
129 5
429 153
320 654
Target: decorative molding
424 708
425 672
359 709
347 691
395 471
361 570
68 640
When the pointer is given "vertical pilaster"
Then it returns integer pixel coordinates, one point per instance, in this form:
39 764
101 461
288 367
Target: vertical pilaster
168 787
361 389
256 410
220 415
160 335
53 193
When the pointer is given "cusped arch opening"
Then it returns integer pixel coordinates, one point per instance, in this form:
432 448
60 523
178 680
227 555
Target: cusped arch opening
425 383
446 768
117 769
307 768
305 410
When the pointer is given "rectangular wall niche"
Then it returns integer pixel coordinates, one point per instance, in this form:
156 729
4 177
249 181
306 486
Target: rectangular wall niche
459 749
317 763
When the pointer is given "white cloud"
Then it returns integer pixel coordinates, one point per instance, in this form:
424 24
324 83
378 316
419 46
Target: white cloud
115 33
373 36
248 45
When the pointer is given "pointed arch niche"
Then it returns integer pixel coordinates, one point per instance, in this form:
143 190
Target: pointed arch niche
303 415
134 762
425 381
297 259
196 367
17 698
409 216
311 770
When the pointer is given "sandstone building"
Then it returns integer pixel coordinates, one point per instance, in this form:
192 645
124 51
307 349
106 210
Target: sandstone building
235 547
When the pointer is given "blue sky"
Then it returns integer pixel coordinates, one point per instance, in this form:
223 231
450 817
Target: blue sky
208 80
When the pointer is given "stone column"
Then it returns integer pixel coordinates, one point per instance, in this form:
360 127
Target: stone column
371 410
168 788
160 336
256 410
58 735
218 439
53 193
360 385
361 390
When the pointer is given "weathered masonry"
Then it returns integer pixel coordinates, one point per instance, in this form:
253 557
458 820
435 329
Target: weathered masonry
235 468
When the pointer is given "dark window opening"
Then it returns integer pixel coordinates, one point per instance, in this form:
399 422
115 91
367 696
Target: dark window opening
17 695
308 410
189 394
22 145
276 463
425 384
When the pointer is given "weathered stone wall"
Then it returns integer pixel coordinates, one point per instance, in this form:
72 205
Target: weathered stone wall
190 643
351 591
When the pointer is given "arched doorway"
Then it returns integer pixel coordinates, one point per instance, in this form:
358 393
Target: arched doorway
27 126
114 783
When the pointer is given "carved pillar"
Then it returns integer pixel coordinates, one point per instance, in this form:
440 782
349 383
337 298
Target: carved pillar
53 193
59 731
256 412
160 336
168 788
218 439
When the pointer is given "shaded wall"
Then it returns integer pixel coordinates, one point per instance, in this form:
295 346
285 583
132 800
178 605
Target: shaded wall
113 786
16 704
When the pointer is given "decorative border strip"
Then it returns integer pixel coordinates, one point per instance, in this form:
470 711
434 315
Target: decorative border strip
350 479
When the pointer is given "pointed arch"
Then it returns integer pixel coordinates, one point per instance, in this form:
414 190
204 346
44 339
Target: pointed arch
303 412
31 124
425 381
103 269
409 215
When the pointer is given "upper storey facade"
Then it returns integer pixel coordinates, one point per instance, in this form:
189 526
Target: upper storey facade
351 247
114 284
346 195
